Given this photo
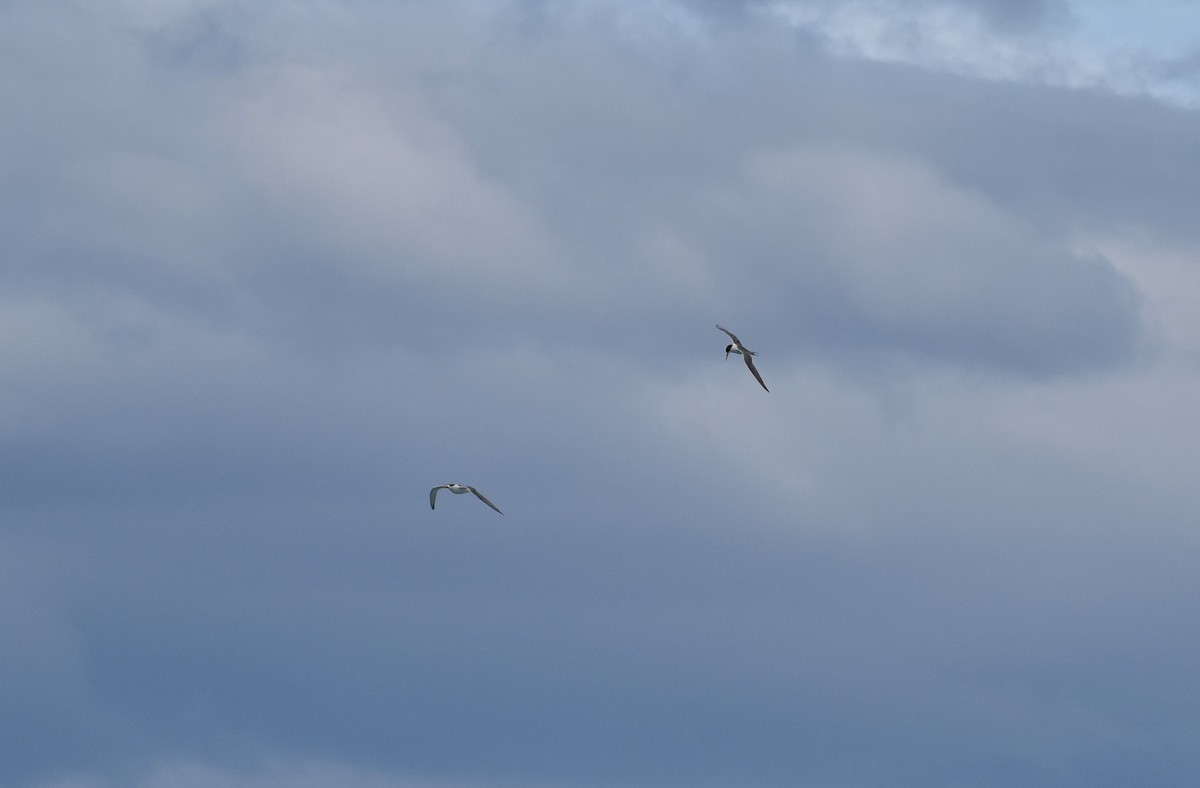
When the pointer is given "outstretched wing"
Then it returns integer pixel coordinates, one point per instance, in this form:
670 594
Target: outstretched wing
736 341
754 372
481 497
433 495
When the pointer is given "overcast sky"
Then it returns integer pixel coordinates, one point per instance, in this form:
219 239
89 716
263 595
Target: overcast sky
272 270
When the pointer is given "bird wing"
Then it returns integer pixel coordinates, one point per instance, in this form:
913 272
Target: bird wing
753 371
433 495
483 498
736 341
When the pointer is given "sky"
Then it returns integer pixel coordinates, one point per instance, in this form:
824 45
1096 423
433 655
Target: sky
271 271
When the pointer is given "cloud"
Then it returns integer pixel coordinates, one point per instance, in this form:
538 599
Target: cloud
1061 43
912 260
272 273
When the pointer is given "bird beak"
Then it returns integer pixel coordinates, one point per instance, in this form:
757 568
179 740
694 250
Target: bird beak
726 355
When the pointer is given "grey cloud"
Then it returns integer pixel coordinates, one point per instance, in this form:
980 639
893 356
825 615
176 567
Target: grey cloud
420 207
1021 15
1183 67
1006 16
910 261
206 40
1080 313
271 274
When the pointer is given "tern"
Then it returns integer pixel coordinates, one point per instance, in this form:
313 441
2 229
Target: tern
458 489
746 354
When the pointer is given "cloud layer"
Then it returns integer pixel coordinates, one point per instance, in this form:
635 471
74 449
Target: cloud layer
272 273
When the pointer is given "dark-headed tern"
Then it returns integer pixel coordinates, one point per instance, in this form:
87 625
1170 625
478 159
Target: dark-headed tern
746 354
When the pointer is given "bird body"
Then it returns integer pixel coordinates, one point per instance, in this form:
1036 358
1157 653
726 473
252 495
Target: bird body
458 489
746 353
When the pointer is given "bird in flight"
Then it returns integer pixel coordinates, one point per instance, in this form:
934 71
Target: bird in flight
746 354
458 489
